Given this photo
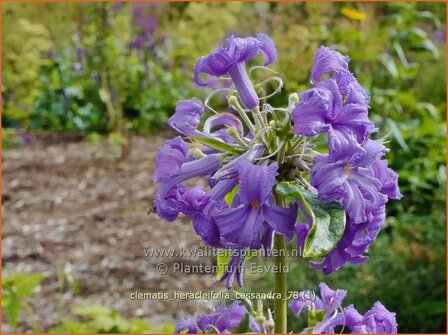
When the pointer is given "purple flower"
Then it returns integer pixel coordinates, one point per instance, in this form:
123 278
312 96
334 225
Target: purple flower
377 320
205 225
192 200
231 60
355 242
322 109
224 319
170 158
387 177
254 216
327 61
169 195
347 182
186 326
329 301
187 117
331 64
234 270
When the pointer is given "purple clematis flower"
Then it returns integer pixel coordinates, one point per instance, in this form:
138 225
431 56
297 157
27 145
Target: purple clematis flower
355 178
387 177
224 319
254 216
170 158
168 203
234 270
231 60
205 226
322 109
355 242
187 117
327 61
377 320
329 301
331 64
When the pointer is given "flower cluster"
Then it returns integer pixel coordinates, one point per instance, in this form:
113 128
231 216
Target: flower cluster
353 172
326 313
223 320
247 149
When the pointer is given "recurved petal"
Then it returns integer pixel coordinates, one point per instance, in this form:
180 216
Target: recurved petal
311 115
281 219
268 48
327 61
187 116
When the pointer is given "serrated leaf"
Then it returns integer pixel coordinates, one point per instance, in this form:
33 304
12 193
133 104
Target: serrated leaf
327 221
216 144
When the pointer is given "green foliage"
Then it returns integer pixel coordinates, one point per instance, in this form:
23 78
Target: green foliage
119 87
97 319
17 288
327 221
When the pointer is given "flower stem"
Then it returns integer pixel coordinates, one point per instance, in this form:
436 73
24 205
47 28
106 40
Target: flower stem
280 288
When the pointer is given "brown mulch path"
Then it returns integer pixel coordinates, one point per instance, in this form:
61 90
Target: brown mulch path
71 206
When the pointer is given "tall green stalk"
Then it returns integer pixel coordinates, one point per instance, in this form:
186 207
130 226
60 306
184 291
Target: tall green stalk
280 288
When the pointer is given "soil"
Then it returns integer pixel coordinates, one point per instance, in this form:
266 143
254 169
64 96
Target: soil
72 208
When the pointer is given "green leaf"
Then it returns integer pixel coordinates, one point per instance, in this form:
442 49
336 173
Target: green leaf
327 221
12 309
221 261
397 134
243 327
216 144
229 196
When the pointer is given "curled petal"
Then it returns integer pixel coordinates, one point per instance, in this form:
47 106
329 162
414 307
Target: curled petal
281 219
332 299
170 158
234 269
378 320
219 61
388 179
268 48
187 117
193 200
327 61
225 120
312 113
222 187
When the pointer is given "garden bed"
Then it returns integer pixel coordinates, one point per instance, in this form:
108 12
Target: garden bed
72 209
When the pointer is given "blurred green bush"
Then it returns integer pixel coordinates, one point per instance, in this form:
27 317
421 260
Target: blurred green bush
102 67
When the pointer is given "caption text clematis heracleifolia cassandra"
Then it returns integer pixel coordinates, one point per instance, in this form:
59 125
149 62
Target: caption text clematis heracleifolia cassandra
308 172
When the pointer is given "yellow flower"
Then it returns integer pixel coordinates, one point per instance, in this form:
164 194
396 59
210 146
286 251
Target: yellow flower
353 14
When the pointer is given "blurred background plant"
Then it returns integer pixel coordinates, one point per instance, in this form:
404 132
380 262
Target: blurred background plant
119 68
